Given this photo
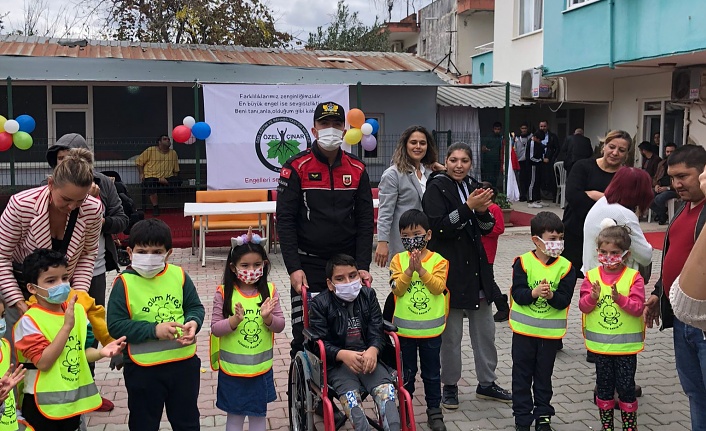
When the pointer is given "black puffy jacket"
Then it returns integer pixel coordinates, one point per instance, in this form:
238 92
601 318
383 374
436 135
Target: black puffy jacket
328 320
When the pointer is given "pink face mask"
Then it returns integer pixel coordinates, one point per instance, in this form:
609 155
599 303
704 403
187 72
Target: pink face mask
611 260
250 276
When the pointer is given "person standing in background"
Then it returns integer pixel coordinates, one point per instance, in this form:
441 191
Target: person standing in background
521 144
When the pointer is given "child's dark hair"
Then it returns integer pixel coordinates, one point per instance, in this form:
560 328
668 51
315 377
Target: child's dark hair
617 235
339 260
152 231
412 218
230 278
39 261
545 221
488 185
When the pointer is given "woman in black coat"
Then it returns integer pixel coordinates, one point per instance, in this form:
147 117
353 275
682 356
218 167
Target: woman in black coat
458 212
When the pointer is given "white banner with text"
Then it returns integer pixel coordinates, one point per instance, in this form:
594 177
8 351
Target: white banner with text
256 128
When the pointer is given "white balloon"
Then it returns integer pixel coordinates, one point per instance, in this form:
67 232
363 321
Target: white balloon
189 121
367 129
11 126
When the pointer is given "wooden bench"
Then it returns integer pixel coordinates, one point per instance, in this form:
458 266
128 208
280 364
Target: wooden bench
222 223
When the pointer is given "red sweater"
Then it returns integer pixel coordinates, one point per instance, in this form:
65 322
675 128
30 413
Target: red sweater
490 241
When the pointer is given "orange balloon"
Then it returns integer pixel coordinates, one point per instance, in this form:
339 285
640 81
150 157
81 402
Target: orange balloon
356 118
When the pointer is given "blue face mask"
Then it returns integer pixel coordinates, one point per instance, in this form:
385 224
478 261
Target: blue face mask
57 294
3 327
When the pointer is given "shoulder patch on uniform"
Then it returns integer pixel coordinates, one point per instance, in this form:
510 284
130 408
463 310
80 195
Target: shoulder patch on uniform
285 172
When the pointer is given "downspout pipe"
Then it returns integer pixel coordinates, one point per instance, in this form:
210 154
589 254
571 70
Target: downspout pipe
611 34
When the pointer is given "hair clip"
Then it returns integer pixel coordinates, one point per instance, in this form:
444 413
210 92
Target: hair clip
246 238
608 222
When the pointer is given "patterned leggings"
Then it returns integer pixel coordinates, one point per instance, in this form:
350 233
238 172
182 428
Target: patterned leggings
616 372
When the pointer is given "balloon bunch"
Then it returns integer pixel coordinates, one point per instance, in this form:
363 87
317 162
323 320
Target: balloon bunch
17 131
361 130
189 131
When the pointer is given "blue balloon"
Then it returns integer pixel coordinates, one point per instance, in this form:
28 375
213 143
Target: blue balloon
27 123
373 122
201 130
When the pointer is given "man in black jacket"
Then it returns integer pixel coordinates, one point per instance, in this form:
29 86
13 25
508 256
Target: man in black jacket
551 152
348 319
324 207
577 147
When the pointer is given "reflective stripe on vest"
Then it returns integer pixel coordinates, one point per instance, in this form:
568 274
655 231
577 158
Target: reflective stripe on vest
8 420
157 300
539 319
419 313
608 329
67 388
247 351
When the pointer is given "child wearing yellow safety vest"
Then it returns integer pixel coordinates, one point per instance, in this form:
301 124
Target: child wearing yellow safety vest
542 287
418 281
156 306
612 300
246 315
50 339
11 376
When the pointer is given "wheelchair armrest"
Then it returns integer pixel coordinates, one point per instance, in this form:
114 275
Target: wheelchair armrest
310 336
388 326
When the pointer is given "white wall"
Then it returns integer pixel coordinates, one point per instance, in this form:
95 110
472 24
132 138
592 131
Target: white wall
511 57
474 29
586 87
629 95
595 124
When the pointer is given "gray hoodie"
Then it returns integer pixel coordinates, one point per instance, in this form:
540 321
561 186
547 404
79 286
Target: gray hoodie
115 219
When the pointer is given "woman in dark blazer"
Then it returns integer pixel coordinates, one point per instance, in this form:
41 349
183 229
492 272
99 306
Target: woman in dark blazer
458 213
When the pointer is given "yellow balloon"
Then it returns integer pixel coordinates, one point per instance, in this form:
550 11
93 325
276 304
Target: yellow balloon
353 136
2 123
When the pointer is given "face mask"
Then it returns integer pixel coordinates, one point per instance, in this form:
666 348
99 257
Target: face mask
148 265
348 291
611 260
552 248
250 276
330 139
57 294
418 242
3 327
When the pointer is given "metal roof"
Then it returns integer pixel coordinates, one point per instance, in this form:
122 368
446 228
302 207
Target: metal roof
30 46
151 71
479 96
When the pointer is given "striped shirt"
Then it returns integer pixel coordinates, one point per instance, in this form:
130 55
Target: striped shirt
24 227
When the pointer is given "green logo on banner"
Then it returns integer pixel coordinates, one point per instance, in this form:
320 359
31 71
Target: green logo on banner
279 139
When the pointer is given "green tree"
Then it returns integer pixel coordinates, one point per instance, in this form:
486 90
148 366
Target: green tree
347 33
212 22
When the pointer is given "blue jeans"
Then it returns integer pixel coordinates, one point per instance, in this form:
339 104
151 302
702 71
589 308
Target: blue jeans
690 355
430 360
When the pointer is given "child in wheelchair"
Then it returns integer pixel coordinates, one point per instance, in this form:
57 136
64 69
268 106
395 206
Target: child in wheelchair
348 319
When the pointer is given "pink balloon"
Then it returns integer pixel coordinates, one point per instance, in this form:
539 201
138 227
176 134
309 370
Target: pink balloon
368 142
191 140
5 141
181 134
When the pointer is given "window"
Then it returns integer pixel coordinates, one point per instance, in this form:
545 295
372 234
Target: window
530 16
575 3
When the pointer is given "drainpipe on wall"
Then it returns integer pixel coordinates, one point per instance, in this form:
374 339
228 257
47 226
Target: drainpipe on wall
611 60
687 122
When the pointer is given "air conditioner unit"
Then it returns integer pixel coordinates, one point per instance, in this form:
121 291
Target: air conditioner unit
689 84
397 46
534 86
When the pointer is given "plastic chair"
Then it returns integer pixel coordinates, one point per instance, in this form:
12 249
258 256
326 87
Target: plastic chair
560 176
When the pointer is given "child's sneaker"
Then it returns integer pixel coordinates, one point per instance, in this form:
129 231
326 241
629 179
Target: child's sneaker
522 427
494 392
449 398
544 423
435 420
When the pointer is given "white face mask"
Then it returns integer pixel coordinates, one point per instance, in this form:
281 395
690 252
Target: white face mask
348 292
148 265
330 139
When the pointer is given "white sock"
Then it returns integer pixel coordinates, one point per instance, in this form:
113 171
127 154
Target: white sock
234 422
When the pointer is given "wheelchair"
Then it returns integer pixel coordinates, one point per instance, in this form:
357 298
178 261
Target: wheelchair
308 385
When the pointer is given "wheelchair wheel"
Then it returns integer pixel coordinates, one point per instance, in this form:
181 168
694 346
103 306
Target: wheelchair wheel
300 402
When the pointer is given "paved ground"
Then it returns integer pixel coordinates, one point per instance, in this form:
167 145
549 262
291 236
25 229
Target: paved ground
662 407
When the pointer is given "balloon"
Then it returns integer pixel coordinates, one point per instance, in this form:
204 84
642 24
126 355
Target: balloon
5 141
27 123
189 121
369 142
2 123
12 126
22 140
191 140
356 118
367 129
373 122
201 130
181 134
353 136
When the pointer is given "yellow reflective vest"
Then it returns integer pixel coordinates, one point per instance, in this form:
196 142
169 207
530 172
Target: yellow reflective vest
419 313
247 351
8 420
608 329
157 300
539 319
67 389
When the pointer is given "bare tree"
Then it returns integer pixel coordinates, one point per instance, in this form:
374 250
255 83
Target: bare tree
38 19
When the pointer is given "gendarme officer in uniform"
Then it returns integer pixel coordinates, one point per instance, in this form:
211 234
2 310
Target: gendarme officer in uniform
324 207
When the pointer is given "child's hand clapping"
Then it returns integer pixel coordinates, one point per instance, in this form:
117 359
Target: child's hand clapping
113 348
167 330
69 317
595 290
237 317
188 336
11 378
546 290
266 310
614 293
